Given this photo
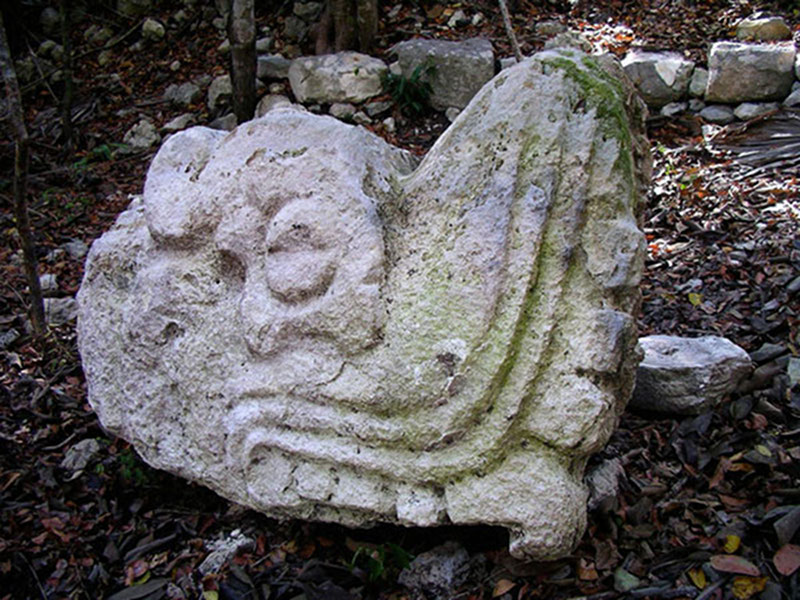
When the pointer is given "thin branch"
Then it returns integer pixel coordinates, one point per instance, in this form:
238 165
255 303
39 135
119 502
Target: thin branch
510 30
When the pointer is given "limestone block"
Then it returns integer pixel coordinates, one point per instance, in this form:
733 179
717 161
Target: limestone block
454 70
687 375
273 66
718 114
763 29
749 72
699 82
660 77
342 77
300 317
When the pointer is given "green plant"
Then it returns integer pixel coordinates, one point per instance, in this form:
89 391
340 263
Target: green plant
101 153
378 562
129 468
411 94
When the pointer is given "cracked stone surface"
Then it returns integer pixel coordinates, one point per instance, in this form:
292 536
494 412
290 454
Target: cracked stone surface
300 317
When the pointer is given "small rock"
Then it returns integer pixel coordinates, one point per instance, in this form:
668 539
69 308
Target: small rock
273 66
141 136
219 93
153 31
792 99
276 88
342 77
46 48
78 456
751 110
458 19
438 572
179 123
8 337
477 19
263 45
58 311
673 109
222 551
569 39
390 124
50 21
295 28
718 114
341 110
767 352
507 61
225 47
603 482
452 113
698 83
308 11
696 105
763 29
270 101
219 23
225 123
625 581
175 66
794 285
361 118
375 108
76 249
49 284
549 28
183 94
104 58
98 35
687 375
202 81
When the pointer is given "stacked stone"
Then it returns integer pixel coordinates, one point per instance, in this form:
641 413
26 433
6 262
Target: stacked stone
745 79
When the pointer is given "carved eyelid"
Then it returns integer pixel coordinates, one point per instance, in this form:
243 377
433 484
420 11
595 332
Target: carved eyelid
296 236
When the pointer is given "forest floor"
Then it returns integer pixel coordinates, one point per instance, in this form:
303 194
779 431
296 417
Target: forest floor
709 506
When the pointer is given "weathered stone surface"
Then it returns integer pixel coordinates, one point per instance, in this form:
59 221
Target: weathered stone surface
750 110
270 101
793 99
179 123
454 70
438 572
687 375
183 94
763 29
296 317
273 66
749 72
152 30
699 82
718 114
141 136
342 77
660 77
219 93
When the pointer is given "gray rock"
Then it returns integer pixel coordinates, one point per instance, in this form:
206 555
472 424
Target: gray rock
342 77
45 48
673 109
660 77
549 28
224 47
276 88
270 101
49 284
751 110
763 29
452 113
507 62
696 105
342 110
687 375
458 19
767 352
75 249
78 457
58 311
438 572
264 45
224 123
603 482
749 72
219 23
793 99
699 82
134 8
796 68
477 19
569 39
374 109
224 550
308 11
718 114
175 66
295 28
455 70
50 20
179 123
389 124
180 17
8 337
273 66
220 93
361 118
300 317
141 136
97 35
183 94
153 31
105 57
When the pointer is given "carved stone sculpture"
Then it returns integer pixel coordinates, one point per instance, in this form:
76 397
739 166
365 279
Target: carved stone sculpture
299 317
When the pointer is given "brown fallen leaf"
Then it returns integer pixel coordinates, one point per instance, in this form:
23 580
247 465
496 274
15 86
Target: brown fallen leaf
728 563
503 586
787 559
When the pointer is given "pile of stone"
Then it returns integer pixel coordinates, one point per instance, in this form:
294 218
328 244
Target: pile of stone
744 79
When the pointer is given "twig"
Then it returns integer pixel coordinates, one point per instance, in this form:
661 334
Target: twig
33 572
510 30
712 588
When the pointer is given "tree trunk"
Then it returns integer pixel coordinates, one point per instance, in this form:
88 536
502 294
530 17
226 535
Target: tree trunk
20 183
242 36
69 86
344 25
367 11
